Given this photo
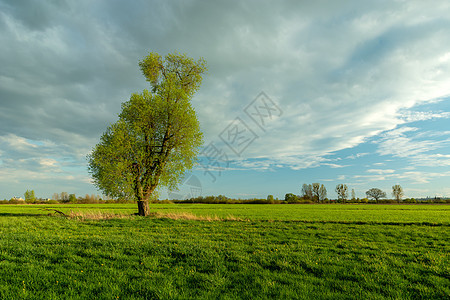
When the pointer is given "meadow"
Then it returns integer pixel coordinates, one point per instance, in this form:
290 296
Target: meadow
225 251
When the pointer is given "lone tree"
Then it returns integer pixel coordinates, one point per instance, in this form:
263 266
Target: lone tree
342 192
376 194
315 187
157 137
307 192
314 192
30 197
397 192
322 193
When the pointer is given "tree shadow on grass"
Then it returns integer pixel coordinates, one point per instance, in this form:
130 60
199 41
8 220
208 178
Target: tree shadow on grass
24 215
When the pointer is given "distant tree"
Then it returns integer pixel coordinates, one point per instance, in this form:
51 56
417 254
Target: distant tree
315 188
322 193
87 198
376 194
91 198
307 191
397 192
64 197
222 198
342 192
16 200
30 197
270 198
290 197
72 198
55 196
157 137
353 194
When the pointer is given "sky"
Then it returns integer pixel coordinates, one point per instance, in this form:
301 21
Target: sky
353 92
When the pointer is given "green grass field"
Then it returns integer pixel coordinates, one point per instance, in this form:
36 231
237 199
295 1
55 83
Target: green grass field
277 251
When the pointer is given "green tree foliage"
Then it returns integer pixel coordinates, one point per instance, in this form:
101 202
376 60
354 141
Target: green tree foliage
342 192
30 197
289 197
72 198
397 192
376 194
157 137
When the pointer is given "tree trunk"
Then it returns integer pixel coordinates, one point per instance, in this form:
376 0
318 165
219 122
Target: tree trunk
143 208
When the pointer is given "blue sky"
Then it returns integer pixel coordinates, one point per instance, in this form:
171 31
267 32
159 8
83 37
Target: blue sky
356 92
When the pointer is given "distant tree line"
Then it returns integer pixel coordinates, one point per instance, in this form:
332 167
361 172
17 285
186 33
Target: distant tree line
310 194
221 199
63 197
317 193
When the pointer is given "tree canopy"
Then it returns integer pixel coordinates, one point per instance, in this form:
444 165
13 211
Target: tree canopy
342 192
376 193
30 196
157 137
397 192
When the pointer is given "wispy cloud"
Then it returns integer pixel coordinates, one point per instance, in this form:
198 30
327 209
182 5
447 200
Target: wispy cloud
357 155
412 177
381 171
414 116
407 142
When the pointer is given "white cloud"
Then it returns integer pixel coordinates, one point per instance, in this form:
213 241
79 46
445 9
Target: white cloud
406 142
334 166
381 171
422 177
16 143
409 177
341 177
357 155
411 116
48 162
